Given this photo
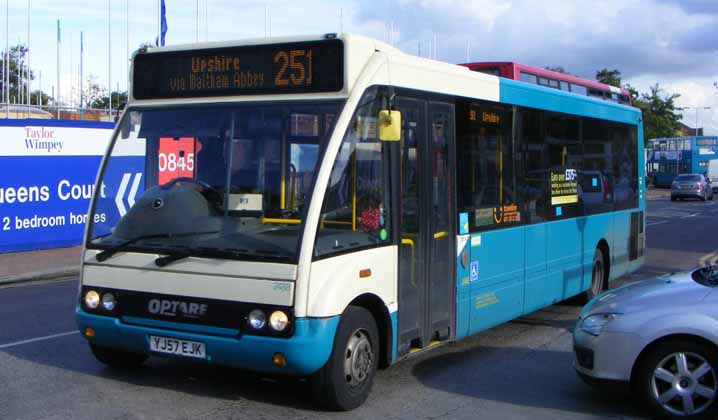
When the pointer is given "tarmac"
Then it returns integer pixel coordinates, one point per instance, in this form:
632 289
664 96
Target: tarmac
61 263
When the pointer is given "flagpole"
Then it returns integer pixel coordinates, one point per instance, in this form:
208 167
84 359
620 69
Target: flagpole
57 98
109 57
28 58
159 20
82 93
127 41
7 59
196 22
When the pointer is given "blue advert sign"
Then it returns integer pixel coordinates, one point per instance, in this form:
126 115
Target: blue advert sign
49 170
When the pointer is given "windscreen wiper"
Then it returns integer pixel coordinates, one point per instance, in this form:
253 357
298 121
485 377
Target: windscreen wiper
168 259
104 255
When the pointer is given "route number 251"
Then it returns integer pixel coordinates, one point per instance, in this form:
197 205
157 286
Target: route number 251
295 68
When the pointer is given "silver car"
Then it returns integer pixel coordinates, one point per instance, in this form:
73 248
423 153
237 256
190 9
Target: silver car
657 338
691 186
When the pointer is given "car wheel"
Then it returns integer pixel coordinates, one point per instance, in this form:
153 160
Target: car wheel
118 358
678 379
673 198
346 379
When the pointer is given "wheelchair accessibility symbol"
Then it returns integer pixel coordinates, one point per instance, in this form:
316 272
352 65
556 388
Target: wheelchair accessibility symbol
474 270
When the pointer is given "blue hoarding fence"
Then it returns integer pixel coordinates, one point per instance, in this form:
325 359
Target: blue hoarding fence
48 175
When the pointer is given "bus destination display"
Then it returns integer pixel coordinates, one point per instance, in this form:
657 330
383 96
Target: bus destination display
304 67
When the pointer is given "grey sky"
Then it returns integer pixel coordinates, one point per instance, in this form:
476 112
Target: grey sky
672 42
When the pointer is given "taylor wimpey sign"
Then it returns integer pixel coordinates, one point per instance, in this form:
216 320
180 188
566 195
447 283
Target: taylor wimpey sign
48 175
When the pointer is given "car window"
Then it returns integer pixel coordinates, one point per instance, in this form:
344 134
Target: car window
689 178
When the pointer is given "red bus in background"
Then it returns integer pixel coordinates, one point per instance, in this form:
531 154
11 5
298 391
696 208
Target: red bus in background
552 79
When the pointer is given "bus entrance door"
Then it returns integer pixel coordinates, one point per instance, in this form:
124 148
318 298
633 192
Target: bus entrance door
426 262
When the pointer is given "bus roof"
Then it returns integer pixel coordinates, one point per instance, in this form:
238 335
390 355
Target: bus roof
548 73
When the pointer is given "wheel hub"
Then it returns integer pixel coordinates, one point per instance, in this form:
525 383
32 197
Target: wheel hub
684 384
358 358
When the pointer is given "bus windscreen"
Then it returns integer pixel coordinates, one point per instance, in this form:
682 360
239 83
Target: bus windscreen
303 67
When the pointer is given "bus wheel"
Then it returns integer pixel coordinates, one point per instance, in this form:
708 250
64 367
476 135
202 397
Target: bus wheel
118 358
346 379
598 276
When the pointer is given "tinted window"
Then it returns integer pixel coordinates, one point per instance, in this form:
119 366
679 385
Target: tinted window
625 168
487 189
355 212
688 178
535 185
565 161
565 86
543 81
581 90
597 174
528 77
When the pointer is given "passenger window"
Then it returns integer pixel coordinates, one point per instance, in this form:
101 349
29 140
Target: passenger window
487 189
565 161
528 77
597 174
355 212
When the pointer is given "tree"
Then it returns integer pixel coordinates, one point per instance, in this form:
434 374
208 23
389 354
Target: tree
609 77
92 93
557 69
660 118
119 100
17 60
44 98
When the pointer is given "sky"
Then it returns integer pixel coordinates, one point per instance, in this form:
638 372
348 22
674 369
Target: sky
670 42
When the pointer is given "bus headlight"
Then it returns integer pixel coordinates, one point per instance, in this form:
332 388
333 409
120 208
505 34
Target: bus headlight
108 301
278 320
257 319
92 299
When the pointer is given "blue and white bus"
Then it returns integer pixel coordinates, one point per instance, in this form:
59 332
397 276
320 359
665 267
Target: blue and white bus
668 157
326 206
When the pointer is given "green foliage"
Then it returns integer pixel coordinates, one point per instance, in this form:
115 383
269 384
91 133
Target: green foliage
609 77
18 55
660 116
558 69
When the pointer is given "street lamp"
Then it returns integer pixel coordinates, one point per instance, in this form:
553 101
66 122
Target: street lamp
696 108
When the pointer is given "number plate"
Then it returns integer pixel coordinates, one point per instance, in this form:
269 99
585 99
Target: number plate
179 347
686 187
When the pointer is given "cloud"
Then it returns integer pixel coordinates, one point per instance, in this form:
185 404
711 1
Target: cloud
635 36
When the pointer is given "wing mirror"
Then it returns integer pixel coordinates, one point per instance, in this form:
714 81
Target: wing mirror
389 125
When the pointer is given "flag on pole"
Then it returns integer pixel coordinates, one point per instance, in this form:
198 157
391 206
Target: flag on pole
163 25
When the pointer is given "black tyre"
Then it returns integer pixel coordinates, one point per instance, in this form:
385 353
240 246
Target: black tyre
599 275
679 379
345 381
118 358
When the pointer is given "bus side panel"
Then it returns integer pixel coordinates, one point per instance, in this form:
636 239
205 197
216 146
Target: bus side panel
535 297
497 288
463 286
564 259
619 250
597 227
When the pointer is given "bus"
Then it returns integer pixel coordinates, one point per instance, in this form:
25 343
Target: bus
553 79
325 206
670 156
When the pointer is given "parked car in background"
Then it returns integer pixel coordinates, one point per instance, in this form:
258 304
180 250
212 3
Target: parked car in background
657 338
691 186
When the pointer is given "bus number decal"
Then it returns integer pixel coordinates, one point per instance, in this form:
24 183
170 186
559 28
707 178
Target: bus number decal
295 68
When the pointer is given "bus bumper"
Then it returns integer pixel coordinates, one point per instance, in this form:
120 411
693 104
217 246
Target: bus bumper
305 352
